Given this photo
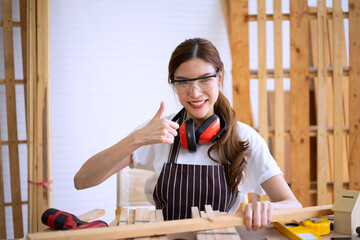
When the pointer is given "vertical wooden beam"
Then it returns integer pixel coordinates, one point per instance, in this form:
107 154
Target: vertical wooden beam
12 120
39 151
240 60
321 103
354 94
299 97
263 99
2 199
279 90
225 4
338 97
23 26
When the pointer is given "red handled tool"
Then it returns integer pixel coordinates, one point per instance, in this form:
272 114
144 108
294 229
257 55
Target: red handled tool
60 220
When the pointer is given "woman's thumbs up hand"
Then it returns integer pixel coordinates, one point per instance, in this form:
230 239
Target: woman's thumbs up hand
158 130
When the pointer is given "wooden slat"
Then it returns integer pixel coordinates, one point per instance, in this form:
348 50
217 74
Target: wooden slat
338 97
32 75
354 94
2 197
321 96
131 217
263 101
279 91
225 5
91 215
299 97
39 150
12 120
240 60
23 27
123 216
176 226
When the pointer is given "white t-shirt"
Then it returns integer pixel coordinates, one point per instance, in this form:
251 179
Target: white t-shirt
260 164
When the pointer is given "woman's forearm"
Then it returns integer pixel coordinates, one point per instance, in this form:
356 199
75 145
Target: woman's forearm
107 162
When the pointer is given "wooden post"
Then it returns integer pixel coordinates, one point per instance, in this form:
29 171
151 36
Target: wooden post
23 26
321 103
2 199
262 72
279 90
12 120
299 97
338 98
240 60
354 94
39 152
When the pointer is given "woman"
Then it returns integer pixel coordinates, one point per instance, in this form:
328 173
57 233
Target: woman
201 155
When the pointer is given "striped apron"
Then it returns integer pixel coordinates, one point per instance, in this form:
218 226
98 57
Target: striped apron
182 186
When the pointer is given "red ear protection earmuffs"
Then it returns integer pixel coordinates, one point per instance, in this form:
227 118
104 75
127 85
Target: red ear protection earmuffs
209 131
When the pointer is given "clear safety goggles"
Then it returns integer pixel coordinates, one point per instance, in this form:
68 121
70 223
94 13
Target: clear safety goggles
203 84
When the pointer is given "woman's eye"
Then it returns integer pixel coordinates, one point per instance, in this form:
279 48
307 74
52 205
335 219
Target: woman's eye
183 83
205 80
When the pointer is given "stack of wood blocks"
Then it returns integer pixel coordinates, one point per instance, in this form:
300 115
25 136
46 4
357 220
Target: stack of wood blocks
145 215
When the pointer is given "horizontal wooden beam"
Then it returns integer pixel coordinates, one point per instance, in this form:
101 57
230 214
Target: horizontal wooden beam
286 16
18 142
15 24
313 71
176 226
10 204
17 81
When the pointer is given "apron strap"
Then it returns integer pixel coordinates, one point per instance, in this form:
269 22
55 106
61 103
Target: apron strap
174 149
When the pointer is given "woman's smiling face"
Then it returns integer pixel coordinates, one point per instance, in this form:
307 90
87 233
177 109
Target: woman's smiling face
199 104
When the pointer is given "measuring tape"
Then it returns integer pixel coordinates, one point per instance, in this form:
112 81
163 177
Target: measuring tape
310 229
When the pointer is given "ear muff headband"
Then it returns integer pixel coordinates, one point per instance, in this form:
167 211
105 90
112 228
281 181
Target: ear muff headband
210 131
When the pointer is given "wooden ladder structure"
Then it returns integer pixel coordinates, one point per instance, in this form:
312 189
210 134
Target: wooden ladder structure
298 169
34 31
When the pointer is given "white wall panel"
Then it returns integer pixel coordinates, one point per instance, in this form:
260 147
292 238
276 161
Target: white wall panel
109 73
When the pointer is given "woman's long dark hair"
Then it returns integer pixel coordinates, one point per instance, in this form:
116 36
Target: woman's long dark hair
230 148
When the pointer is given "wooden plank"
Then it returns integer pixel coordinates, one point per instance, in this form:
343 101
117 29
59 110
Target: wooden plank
338 96
195 214
321 97
12 120
299 97
141 217
23 28
2 195
263 100
240 60
32 75
177 226
92 215
279 90
225 5
354 94
39 149
160 218
231 230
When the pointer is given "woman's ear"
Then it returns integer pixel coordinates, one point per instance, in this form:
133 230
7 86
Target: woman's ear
221 78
